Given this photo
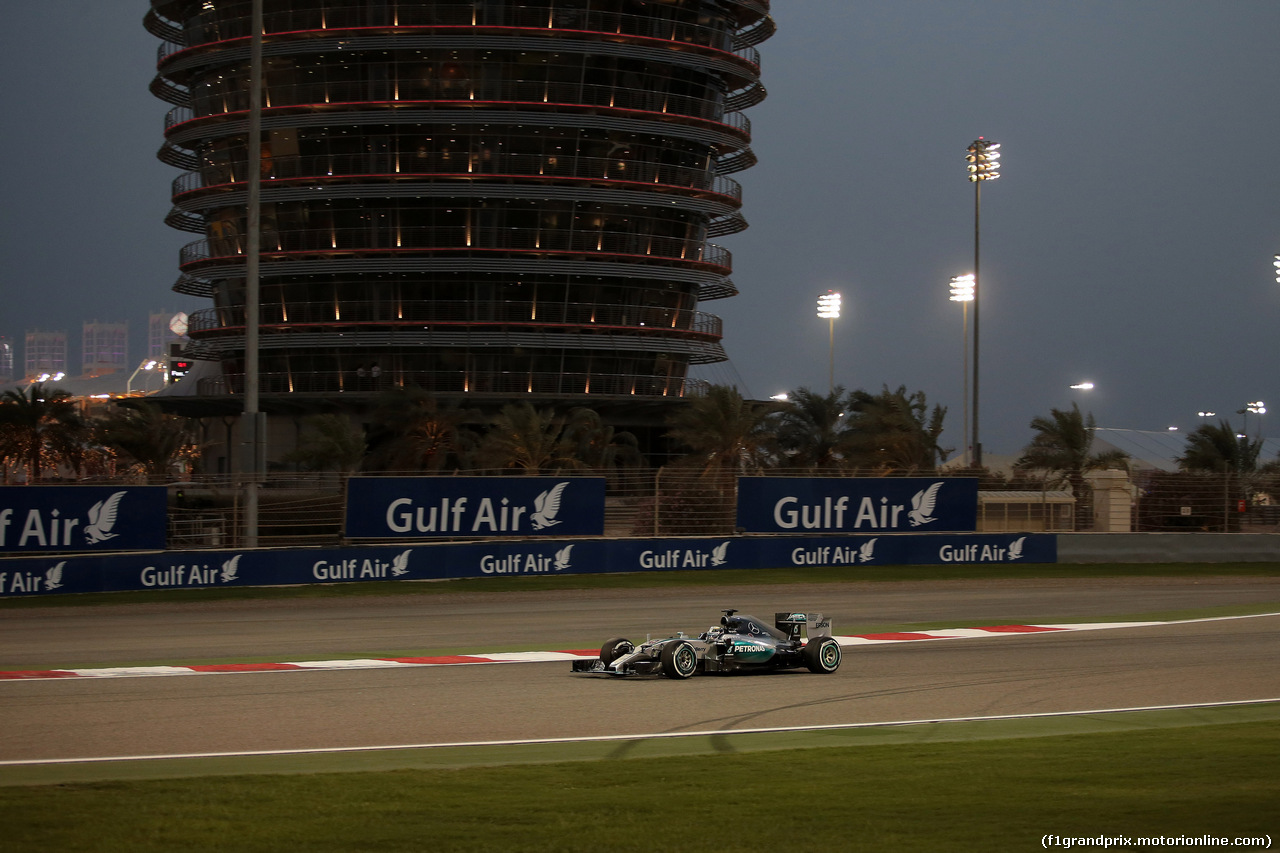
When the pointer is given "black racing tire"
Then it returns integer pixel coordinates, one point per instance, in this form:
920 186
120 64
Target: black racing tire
679 660
822 655
614 649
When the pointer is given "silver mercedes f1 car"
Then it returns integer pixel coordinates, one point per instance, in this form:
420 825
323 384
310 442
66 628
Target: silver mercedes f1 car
739 643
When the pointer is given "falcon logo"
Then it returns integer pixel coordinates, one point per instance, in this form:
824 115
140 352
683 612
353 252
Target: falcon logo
562 558
102 517
546 506
229 569
53 577
1015 548
864 553
400 564
718 554
922 505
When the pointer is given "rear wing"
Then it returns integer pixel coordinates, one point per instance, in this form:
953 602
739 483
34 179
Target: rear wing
792 624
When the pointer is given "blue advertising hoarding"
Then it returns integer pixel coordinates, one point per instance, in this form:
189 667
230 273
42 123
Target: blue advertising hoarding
857 504
457 507
82 518
34 576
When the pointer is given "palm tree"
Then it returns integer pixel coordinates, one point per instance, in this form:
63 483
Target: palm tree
895 431
39 428
600 446
1220 449
723 432
148 437
1063 448
413 432
328 442
814 430
535 441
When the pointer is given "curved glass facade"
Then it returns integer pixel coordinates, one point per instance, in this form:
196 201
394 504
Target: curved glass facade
484 197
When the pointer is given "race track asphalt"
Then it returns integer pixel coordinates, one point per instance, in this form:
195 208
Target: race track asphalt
1212 661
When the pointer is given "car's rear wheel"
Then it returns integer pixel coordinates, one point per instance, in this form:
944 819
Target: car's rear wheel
614 649
822 655
679 660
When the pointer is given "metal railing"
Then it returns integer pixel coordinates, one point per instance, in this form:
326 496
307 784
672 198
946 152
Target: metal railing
299 508
438 162
217 26
1223 503
418 311
472 381
390 238
218 99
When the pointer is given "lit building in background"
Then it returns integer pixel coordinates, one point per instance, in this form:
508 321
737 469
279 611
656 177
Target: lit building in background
492 201
104 348
45 354
6 362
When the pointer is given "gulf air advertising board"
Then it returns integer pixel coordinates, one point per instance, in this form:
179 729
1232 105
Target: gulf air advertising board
461 507
82 518
857 504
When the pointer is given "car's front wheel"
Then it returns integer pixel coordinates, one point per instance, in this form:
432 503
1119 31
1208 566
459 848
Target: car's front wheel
614 649
822 655
679 660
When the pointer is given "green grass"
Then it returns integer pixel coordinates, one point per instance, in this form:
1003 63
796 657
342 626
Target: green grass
1000 794
652 580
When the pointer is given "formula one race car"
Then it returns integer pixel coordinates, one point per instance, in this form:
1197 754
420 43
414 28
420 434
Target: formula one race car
737 644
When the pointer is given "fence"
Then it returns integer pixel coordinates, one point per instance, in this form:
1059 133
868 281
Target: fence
302 509
1172 502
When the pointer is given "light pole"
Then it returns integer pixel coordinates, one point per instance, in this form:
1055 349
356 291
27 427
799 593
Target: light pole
962 292
1255 408
253 421
1277 263
984 165
829 310
147 364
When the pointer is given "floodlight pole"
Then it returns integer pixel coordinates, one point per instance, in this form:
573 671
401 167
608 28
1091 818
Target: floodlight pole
977 255
831 355
962 292
983 160
252 423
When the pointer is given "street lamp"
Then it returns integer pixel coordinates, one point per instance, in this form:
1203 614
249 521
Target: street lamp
829 310
148 364
1277 262
984 165
962 292
1082 386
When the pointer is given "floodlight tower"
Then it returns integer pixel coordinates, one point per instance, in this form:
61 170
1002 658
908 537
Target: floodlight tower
1256 407
984 165
829 310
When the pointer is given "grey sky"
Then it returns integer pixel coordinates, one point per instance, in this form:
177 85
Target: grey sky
1129 241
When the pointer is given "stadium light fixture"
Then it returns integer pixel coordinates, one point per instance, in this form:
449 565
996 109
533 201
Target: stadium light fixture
829 310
